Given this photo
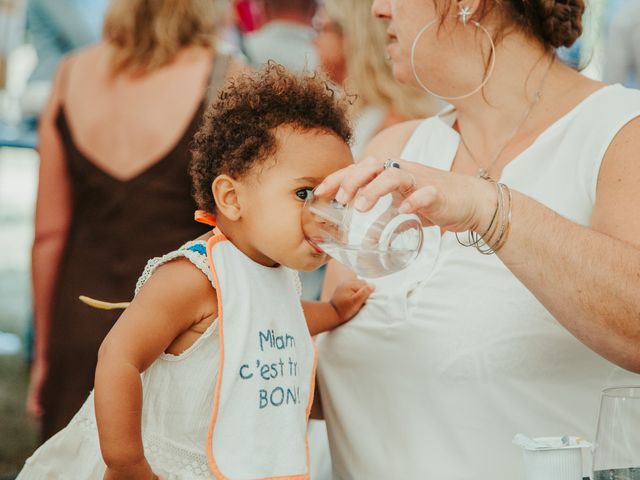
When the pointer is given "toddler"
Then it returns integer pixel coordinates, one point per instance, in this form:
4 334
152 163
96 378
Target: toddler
209 372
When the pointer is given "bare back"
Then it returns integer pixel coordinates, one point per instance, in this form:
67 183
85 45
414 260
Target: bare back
126 124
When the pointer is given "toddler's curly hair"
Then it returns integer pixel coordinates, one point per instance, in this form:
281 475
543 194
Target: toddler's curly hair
238 130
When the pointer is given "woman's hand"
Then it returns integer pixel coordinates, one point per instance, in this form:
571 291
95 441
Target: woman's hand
452 201
138 471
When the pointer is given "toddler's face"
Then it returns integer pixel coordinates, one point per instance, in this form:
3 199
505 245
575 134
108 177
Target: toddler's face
273 196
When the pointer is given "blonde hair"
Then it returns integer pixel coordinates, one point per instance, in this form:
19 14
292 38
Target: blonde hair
148 34
368 72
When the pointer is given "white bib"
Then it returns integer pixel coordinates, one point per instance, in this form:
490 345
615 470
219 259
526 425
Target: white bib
265 382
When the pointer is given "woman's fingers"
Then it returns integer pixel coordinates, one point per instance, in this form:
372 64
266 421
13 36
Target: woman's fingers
422 199
345 183
427 202
331 183
390 180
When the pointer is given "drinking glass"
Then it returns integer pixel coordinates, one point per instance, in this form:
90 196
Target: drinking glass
372 244
617 447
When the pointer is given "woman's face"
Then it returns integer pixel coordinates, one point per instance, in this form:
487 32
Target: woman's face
329 43
447 55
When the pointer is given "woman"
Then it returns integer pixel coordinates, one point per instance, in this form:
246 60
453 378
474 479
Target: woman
114 146
452 357
349 43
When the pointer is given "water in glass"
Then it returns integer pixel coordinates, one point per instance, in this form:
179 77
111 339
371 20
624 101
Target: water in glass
372 244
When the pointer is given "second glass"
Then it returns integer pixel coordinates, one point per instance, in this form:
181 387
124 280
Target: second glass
617 447
372 244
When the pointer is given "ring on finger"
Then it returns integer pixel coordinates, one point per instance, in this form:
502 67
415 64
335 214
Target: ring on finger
388 163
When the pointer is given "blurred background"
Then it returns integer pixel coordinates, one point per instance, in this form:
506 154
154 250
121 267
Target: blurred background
36 34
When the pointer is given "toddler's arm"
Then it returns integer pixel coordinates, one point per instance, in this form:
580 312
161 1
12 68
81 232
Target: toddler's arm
347 300
176 297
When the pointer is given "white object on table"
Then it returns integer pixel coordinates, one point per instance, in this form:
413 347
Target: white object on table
547 458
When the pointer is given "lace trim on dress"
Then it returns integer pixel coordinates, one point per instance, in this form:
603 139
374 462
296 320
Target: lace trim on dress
164 455
198 259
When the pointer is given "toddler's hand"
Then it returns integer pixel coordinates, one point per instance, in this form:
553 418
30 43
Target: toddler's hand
349 297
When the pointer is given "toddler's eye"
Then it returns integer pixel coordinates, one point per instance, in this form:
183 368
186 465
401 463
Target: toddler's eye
303 193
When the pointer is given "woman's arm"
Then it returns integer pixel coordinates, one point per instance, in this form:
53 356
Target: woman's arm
52 219
175 297
588 278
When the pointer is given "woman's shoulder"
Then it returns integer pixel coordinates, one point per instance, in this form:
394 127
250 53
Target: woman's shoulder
602 113
87 58
391 141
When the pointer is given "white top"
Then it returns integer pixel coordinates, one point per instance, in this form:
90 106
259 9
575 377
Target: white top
179 390
452 357
287 43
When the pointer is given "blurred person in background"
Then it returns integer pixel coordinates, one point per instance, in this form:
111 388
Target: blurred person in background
57 28
286 35
622 46
350 45
114 147
12 20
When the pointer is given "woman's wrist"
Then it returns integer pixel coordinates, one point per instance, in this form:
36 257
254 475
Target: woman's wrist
486 207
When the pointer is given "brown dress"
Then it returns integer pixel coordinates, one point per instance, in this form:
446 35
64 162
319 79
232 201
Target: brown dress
116 227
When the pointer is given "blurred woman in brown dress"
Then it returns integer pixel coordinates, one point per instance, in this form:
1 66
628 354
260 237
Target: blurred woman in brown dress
113 184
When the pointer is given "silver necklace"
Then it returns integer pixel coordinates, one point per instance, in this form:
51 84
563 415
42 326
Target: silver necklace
484 172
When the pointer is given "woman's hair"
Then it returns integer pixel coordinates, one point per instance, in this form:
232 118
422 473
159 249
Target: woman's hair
238 130
557 23
148 34
554 23
369 74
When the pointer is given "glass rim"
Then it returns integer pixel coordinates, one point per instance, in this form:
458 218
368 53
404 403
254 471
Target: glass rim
617 391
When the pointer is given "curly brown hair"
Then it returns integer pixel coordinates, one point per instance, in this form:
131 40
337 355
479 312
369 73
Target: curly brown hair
238 130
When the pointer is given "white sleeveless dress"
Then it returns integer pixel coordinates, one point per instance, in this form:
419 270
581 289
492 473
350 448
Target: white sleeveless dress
250 422
452 357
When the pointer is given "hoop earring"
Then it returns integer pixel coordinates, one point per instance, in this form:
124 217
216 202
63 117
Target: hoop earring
459 97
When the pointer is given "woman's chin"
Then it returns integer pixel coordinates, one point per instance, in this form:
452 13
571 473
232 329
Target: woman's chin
402 73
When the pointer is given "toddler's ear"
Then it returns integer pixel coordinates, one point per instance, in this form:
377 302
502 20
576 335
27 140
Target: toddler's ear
225 194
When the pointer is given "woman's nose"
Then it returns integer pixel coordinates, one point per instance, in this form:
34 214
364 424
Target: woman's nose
380 9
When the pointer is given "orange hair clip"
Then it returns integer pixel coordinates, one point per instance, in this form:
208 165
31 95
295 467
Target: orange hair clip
205 217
